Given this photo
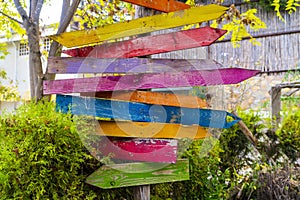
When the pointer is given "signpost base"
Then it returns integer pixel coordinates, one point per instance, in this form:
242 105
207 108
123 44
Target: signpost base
141 192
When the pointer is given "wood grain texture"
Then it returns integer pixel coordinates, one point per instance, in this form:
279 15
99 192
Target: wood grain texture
150 130
140 26
140 112
62 65
148 45
160 5
134 174
148 81
146 150
159 98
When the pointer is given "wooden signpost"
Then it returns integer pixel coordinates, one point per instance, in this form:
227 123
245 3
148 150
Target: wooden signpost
149 45
147 122
141 112
147 150
150 130
160 5
149 80
140 26
135 174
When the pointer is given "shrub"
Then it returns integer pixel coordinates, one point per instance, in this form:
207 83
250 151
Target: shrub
289 135
42 157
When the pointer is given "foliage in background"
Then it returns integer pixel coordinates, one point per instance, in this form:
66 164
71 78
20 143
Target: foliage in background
8 92
101 12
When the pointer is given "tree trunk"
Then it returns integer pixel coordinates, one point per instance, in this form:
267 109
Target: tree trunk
35 63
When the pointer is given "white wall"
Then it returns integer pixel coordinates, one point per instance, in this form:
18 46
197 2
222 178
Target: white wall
17 68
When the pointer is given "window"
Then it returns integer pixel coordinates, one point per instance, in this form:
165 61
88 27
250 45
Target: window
23 49
46 44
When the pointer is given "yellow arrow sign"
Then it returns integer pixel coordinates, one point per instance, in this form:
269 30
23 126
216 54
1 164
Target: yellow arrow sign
140 26
150 130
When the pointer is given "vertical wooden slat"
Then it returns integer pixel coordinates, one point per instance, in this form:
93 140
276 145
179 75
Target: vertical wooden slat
276 104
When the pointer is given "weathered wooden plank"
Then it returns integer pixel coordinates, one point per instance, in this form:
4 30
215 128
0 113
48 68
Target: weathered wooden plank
161 5
146 150
133 174
140 26
126 65
147 81
150 130
148 45
160 98
140 112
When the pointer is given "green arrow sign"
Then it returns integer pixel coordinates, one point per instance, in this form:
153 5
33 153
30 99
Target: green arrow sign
134 174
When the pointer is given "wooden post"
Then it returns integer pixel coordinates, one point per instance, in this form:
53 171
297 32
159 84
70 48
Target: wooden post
141 192
276 104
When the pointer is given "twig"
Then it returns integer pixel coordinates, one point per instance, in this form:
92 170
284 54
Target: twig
11 18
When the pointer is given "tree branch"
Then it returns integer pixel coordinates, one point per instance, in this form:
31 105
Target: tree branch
21 10
38 9
68 16
11 18
32 6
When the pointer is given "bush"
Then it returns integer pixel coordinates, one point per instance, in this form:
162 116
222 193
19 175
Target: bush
289 135
42 157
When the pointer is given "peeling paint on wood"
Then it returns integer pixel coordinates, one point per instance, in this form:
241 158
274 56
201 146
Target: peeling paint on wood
61 65
140 112
160 98
147 150
140 26
161 5
134 174
150 130
148 81
149 45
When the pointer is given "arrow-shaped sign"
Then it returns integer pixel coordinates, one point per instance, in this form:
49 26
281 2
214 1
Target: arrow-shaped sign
134 174
161 5
148 45
127 65
147 150
148 81
140 112
140 26
160 98
150 130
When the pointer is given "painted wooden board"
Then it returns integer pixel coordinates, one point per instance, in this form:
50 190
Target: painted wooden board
126 65
147 81
134 174
140 26
160 98
146 150
140 112
150 130
160 5
148 45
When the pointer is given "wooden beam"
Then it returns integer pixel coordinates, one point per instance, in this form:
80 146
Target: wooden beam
148 45
62 65
140 112
150 130
159 98
147 81
140 26
276 104
161 5
146 150
135 174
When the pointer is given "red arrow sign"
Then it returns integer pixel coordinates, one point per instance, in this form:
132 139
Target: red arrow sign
149 45
161 5
149 150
